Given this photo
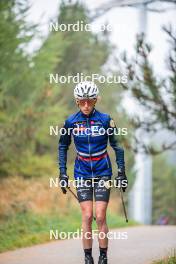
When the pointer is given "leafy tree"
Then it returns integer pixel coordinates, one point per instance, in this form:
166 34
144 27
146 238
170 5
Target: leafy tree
155 96
24 89
15 35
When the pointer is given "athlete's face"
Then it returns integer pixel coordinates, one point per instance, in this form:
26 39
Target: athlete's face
86 105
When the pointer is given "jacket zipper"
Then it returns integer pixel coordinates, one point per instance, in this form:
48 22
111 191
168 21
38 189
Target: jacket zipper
89 148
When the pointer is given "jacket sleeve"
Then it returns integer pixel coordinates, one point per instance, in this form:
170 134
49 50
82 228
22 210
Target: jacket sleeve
63 146
113 140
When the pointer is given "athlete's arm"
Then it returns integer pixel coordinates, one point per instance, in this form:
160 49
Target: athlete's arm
121 179
119 152
63 146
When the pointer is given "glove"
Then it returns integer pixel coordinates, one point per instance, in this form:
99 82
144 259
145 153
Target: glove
121 180
63 182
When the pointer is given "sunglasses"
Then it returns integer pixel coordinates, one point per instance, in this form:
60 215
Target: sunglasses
88 101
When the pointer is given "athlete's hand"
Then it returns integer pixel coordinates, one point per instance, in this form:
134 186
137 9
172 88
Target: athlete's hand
63 182
121 180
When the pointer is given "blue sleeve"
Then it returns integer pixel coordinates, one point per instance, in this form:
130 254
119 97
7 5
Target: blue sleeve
119 151
63 146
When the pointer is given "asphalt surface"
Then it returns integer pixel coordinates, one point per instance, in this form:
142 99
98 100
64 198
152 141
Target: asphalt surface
140 245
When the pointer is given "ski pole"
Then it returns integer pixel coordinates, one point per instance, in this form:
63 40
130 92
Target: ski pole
77 198
73 194
124 209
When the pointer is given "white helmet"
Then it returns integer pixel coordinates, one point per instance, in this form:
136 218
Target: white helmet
85 90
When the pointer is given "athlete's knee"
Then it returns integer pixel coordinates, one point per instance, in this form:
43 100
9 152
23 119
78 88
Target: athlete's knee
100 219
87 217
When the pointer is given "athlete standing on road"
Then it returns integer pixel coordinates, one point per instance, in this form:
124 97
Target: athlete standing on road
92 163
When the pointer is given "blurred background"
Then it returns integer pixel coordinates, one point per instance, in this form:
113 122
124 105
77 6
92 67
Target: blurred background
141 45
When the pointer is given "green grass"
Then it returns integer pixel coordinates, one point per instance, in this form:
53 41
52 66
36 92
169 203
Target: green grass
118 221
171 259
28 229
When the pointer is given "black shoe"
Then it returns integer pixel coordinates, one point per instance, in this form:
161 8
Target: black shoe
103 260
89 259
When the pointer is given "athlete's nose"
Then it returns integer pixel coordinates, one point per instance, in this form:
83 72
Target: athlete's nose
86 103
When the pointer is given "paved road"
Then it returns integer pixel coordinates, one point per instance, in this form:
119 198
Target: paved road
143 244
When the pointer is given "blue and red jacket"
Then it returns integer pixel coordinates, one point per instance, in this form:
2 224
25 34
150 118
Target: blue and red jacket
90 139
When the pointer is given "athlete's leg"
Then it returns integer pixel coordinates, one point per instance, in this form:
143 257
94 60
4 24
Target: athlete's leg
85 197
87 217
100 211
102 194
